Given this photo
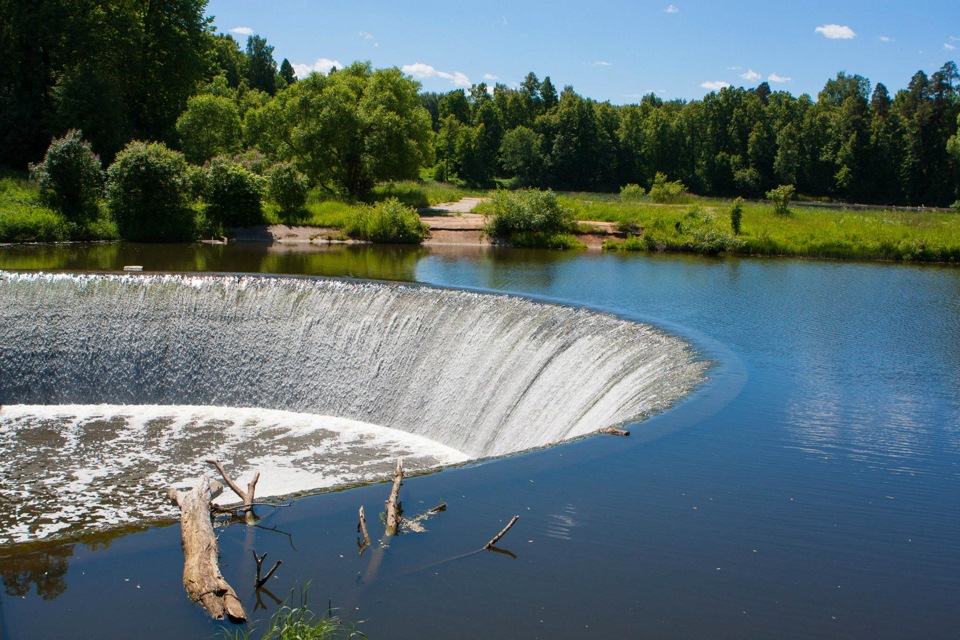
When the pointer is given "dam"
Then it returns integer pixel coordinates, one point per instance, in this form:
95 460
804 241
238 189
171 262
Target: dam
116 387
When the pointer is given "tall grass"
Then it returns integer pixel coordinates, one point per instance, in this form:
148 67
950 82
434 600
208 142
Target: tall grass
861 235
298 622
23 218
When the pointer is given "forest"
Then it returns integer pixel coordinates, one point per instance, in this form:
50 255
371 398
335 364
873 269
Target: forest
157 71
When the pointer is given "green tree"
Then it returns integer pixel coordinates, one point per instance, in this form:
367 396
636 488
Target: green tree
234 195
261 68
287 188
780 197
287 73
736 215
70 177
147 194
348 130
209 127
520 155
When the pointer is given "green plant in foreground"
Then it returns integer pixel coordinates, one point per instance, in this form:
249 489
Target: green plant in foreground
390 222
300 623
530 218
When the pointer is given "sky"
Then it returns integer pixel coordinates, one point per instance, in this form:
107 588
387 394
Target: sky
616 50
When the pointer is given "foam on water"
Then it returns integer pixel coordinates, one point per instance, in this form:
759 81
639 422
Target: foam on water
482 375
72 467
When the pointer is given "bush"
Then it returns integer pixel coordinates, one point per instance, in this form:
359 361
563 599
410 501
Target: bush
632 192
389 221
529 211
70 177
147 194
955 207
780 197
736 216
234 195
664 191
287 187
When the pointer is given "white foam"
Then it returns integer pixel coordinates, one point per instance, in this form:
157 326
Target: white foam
81 467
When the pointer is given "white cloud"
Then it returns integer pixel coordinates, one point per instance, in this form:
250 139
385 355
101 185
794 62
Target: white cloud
836 32
243 31
886 39
423 71
955 38
715 85
776 78
366 35
750 75
321 65
948 46
671 9
602 63
490 77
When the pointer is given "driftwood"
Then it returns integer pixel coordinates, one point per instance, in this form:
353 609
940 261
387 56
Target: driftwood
258 582
364 542
201 573
613 431
246 496
394 509
502 533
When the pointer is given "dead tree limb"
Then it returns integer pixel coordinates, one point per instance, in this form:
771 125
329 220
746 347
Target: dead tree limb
394 509
247 496
497 537
613 431
258 581
201 573
362 529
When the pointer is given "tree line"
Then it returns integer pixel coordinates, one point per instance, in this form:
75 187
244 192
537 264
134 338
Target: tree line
156 70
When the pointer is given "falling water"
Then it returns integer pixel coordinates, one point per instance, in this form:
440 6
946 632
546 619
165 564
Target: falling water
139 372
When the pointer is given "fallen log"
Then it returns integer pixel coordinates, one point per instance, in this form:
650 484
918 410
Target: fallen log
394 509
201 573
613 431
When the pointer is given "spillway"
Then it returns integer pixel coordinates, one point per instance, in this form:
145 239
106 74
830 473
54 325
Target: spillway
477 375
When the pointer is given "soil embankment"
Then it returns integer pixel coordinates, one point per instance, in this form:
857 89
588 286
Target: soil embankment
451 223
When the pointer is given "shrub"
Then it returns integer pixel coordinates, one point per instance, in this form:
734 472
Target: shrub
736 216
287 187
389 221
665 191
528 211
70 176
955 207
632 192
234 195
147 194
780 197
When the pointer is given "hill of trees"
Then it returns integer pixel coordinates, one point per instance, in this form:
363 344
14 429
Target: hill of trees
155 70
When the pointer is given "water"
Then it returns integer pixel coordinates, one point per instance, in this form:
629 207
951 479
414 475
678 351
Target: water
808 489
470 375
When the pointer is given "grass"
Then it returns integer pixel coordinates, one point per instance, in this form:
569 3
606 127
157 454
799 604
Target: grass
860 235
300 623
24 219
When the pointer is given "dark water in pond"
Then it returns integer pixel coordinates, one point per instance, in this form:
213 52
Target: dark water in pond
810 489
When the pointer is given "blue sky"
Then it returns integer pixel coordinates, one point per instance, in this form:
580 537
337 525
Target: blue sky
613 50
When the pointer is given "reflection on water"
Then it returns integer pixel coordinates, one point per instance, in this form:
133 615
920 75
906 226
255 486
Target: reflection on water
45 571
356 261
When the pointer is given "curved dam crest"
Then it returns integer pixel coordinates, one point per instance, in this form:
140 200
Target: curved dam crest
481 374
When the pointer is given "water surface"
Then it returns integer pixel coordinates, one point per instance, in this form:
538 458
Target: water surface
810 489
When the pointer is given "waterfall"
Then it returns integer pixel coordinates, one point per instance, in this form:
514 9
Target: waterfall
479 374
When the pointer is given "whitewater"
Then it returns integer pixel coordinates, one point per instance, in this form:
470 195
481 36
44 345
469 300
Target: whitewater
117 387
